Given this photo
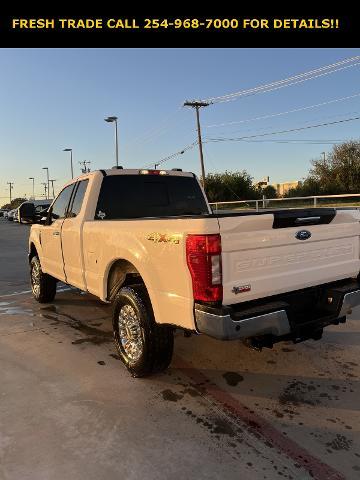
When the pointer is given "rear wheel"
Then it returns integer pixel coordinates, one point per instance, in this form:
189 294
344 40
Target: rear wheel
143 346
43 286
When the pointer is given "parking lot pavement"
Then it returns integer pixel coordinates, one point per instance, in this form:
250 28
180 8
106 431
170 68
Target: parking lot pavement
70 410
13 259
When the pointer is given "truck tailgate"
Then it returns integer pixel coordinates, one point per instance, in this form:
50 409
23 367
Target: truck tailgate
264 254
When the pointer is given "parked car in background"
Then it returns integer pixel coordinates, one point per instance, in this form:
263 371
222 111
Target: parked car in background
10 215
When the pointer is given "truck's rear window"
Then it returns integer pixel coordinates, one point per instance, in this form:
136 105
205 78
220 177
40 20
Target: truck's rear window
135 196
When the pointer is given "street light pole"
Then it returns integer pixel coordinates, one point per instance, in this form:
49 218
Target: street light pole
197 106
48 181
71 160
33 186
52 185
114 120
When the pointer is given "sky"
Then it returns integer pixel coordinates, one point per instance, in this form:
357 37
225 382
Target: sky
52 99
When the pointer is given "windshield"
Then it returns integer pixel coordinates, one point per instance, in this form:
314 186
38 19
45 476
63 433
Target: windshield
40 208
134 196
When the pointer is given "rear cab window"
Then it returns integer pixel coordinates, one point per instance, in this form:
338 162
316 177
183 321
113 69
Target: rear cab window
59 207
78 198
139 196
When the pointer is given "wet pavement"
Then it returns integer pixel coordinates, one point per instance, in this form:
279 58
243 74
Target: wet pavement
69 409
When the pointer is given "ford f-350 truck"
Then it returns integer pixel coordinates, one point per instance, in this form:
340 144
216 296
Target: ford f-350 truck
148 242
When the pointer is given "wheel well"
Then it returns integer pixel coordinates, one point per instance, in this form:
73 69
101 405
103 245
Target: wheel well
121 273
33 252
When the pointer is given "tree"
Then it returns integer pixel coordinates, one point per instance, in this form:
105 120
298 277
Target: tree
229 186
269 191
336 174
340 171
308 187
14 203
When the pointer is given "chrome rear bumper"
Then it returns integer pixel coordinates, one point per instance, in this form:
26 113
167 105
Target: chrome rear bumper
350 301
275 323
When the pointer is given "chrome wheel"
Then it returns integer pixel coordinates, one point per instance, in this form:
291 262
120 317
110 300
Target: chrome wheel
35 279
130 333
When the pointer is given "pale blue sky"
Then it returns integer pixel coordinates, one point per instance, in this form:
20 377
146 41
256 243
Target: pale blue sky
56 98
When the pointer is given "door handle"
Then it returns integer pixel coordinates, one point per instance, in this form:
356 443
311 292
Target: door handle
56 234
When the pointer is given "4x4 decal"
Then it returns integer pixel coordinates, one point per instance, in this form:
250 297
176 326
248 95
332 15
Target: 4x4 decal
163 238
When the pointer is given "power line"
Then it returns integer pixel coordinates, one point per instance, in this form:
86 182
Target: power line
312 74
173 155
271 115
235 139
237 131
156 131
303 142
302 77
248 139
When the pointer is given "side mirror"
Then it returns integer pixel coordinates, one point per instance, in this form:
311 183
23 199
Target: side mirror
27 212
49 218
41 217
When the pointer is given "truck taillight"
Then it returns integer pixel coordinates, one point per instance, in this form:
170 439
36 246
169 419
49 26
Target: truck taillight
203 257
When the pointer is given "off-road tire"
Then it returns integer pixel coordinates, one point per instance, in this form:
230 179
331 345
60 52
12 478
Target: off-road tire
157 340
45 289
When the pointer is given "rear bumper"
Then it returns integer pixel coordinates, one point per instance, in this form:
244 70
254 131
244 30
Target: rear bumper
282 317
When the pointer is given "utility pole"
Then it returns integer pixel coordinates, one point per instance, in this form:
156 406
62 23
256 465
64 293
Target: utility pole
85 169
52 185
45 187
11 186
197 106
48 181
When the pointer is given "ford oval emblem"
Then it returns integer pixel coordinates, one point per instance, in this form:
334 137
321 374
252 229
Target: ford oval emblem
303 234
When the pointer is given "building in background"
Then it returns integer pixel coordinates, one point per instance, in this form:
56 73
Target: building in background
281 188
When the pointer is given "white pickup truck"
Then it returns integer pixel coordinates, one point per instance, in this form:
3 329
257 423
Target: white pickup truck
148 241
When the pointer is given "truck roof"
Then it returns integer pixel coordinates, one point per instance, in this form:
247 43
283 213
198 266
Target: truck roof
134 171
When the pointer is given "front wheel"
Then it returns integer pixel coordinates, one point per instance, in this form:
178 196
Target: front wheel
43 286
143 346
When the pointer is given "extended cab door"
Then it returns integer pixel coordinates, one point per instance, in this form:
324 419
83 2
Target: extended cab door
71 238
52 258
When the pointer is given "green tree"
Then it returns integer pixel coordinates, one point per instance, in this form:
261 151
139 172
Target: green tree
308 187
340 171
269 191
230 186
14 203
336 174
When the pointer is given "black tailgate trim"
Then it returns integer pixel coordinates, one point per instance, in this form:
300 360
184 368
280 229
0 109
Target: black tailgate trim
303 218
